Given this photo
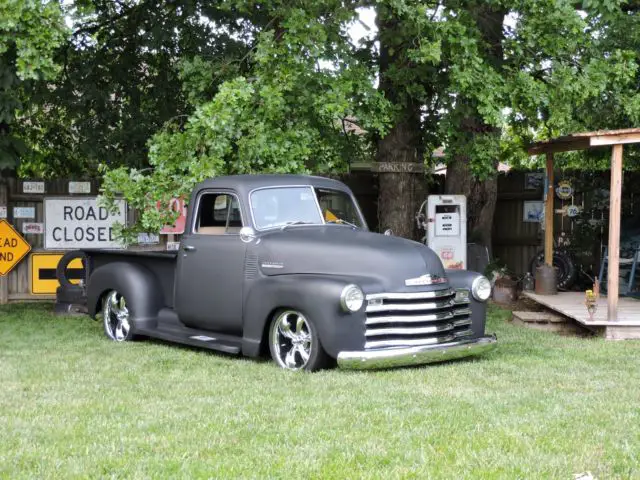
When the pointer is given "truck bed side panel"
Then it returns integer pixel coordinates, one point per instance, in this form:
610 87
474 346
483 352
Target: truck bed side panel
161 264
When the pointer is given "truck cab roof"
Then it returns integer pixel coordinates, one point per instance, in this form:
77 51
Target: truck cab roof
244 184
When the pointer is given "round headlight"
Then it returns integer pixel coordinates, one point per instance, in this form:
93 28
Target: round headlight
481 289
351 298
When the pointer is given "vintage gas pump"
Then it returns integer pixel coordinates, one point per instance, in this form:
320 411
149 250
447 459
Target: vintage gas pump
447 229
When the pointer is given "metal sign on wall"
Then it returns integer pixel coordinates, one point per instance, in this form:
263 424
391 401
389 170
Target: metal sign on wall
43 272
79 187
13 247
73 222
33 187
179 206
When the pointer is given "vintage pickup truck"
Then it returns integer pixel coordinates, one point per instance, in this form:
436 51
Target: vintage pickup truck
286 264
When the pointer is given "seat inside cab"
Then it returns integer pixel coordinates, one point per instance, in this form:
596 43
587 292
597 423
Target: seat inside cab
219 214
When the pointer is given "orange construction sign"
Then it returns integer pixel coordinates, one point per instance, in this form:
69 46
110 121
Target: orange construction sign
13 247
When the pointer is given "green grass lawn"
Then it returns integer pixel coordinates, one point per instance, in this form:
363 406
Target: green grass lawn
73 404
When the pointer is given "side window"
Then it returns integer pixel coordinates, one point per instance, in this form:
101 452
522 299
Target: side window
218 214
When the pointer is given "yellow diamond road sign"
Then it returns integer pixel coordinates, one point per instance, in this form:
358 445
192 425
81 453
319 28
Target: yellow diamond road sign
13 247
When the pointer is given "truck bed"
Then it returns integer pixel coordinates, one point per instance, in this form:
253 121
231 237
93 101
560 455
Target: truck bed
161 263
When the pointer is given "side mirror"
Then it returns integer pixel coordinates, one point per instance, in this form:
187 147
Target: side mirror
388 232
247 234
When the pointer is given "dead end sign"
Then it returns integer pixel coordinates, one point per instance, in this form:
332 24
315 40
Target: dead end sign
73 222
13 247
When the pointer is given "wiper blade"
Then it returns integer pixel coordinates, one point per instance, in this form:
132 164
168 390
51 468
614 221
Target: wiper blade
343 222
297 222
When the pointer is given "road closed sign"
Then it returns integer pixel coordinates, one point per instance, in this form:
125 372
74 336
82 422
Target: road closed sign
72 223
13 247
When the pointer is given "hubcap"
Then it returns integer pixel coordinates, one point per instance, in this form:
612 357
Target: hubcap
291 340
116 317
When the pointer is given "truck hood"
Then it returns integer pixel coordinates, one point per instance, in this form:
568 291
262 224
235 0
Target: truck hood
373 260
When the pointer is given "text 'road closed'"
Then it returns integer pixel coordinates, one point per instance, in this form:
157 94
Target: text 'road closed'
80 223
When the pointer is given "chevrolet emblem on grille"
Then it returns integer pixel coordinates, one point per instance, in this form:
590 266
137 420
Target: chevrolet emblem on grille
424 280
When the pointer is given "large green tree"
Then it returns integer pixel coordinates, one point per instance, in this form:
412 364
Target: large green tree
504 74
30 32
286 116
246 86
123 70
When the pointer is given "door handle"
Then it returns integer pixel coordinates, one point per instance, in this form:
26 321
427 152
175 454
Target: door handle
190 248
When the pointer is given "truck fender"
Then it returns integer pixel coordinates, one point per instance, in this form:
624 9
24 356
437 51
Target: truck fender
464 279
139 286
316 296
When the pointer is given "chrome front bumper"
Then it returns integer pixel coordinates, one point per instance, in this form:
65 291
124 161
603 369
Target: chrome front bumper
401 357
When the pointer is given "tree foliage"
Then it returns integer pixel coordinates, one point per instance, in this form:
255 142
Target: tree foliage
287 117
166 93
121 81
30 32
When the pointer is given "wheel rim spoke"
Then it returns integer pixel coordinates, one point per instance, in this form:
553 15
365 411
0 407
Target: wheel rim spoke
115 305
303 353
119 331
284 328
290 358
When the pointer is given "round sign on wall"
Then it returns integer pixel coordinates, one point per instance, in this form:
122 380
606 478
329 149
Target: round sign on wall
573 211
564 190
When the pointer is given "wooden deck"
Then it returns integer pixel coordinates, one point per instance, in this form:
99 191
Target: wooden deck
571 304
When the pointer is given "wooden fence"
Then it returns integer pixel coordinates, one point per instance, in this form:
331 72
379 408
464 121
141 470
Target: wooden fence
516 241
16 286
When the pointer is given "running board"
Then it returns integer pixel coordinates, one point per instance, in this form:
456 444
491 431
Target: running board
195 338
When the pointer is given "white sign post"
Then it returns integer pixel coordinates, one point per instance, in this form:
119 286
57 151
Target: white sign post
72 223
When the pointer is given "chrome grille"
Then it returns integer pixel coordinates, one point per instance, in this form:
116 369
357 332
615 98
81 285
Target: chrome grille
417 318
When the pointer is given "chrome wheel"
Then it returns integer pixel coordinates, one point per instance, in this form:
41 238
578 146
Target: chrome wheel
291 340
116 317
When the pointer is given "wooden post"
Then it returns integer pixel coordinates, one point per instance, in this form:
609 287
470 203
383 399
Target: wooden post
548 214
614 233
4 280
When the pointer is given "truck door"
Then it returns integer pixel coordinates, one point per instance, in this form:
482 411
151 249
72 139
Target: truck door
209 281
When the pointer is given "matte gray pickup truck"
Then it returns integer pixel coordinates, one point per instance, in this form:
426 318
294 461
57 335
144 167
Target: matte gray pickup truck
286 264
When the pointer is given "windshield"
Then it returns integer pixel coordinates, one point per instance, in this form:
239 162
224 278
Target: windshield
276 207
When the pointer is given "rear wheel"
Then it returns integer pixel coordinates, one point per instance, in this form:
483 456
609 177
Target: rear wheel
294 342
115 314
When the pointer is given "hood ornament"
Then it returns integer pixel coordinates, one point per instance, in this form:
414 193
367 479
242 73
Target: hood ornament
424 280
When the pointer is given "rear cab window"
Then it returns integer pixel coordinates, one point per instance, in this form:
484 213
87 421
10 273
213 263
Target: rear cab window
218 214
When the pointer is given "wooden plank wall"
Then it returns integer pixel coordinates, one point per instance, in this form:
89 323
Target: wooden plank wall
515 242
16 286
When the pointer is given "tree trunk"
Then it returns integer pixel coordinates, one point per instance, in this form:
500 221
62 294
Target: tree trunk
481 200
399 159
481 194
402 185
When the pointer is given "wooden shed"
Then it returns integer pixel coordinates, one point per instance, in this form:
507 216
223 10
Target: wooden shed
572 303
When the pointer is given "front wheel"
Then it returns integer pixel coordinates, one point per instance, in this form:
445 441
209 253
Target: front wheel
294 342
115 314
